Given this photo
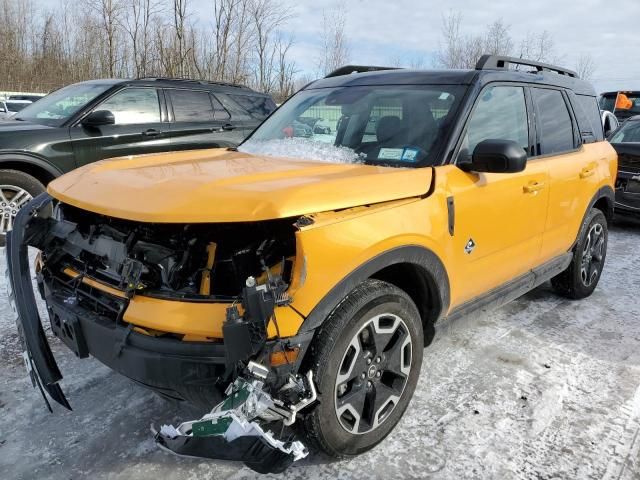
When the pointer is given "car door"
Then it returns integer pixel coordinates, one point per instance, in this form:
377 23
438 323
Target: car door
198 120
499 217
138 127
572 167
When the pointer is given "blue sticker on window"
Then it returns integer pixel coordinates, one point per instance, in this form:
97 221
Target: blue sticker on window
410 155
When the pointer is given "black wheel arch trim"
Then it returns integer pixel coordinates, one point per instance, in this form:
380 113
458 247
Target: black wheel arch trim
428 262
8 156
605 192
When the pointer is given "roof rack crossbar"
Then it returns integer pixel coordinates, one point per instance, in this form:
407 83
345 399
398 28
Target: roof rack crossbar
348 69
499 62
192 80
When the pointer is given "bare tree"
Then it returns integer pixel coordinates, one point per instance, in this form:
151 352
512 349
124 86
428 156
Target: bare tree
108 13
267 16
538 47
335 46
585 66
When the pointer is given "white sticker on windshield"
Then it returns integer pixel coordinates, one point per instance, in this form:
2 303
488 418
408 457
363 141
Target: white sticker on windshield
443 96
390 154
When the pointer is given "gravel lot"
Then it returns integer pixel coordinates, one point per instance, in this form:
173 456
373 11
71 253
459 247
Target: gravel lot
542 388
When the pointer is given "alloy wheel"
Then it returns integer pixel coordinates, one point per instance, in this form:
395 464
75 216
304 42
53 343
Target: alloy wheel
592 255
373 373
12 199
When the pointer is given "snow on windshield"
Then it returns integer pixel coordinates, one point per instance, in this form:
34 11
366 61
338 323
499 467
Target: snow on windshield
302 148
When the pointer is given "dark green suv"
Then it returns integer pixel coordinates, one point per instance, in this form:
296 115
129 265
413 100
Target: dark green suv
98 119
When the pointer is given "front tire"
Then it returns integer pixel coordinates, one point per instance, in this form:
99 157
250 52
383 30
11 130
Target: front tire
580 279
16 190
366 360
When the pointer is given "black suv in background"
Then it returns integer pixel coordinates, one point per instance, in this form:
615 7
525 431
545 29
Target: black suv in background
98 119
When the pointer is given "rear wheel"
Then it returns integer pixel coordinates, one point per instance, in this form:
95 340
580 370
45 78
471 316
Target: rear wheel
366 360
16 190
580 279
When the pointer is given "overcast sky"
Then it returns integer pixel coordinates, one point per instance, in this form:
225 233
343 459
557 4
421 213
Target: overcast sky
380 30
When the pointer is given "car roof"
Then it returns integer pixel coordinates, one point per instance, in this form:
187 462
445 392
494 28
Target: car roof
178 82
453 77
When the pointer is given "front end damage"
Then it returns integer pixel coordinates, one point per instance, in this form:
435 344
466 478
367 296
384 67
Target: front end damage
92 269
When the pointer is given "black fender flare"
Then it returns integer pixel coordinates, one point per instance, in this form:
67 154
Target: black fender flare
27 158
428 263
606 193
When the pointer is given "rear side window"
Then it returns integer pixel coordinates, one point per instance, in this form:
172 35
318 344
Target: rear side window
219 111
258 106
554 121
191 106
500 114
628 132
588 115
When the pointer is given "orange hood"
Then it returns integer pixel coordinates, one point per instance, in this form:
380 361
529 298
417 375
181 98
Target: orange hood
222 186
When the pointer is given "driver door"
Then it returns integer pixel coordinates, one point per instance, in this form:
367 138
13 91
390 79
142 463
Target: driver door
138 128
499 217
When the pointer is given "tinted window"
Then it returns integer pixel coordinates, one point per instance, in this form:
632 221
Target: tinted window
628 132
556 130
191 106
257 106
219 111
133 105
588 115
500 114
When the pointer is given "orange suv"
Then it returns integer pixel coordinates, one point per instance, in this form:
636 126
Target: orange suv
297 278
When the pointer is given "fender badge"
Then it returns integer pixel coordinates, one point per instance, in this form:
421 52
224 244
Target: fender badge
468 248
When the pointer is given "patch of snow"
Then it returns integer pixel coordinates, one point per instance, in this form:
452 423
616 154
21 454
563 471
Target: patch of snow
302 148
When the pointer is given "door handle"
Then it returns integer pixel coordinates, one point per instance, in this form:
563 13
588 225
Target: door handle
228 127
152 132
533 187
587 172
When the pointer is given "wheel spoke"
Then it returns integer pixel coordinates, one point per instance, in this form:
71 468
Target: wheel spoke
20 199
385 399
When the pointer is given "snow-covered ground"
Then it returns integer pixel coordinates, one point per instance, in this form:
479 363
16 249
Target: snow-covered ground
543 388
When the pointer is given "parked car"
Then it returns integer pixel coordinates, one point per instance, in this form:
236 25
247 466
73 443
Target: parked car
31 98
626 141
8 108
623 104
98 119
298 281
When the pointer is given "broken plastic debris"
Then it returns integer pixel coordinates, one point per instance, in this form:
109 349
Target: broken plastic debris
169 431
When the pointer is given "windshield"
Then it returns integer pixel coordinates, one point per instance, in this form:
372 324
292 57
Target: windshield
398 125
628 132
57 107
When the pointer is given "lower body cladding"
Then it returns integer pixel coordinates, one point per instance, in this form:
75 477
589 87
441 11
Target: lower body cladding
628 192
254 394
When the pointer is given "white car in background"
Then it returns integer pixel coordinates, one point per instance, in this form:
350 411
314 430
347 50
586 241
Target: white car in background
8 108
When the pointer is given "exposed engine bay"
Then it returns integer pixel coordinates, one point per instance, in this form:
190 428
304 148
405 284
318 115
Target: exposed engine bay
176 260
91 266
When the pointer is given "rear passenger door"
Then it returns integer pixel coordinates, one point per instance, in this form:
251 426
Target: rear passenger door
198 120
572 167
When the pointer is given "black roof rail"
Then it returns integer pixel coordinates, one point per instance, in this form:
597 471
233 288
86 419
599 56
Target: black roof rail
192 80
348 69
499 62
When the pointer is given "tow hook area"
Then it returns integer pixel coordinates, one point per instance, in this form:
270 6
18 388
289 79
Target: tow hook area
236 429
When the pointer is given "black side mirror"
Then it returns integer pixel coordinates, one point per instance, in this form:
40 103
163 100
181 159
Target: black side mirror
98 118
496 156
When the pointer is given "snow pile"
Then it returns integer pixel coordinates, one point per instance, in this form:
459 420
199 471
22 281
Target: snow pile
302 148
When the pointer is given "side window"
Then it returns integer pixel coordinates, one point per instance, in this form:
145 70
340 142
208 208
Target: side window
556 129
588 115
500 114
219 111
133 105
191 106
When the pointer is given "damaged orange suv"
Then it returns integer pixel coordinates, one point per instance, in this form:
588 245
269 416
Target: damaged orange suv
297 278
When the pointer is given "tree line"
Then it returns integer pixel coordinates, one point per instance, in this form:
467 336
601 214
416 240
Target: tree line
238 41
241 42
